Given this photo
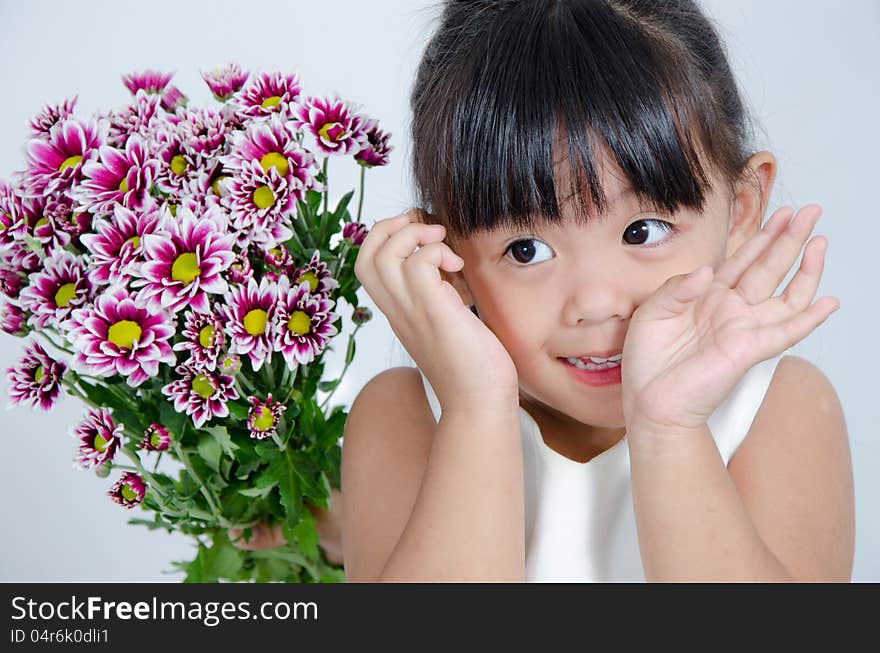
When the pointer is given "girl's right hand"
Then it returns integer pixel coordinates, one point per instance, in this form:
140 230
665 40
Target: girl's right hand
462 359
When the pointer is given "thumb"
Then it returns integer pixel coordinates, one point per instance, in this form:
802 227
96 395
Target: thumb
677 294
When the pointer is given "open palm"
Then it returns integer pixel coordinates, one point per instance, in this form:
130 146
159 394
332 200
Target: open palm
692 341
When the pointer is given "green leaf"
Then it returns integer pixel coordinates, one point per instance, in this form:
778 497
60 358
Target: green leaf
221 435
349 353
210 451
342 205
288 488
256 492
171 419
306 535
326 386
238 410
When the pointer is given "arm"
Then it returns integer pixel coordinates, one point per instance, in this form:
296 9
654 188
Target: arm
426 501
783 509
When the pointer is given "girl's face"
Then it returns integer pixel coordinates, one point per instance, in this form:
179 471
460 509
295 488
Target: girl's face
569 290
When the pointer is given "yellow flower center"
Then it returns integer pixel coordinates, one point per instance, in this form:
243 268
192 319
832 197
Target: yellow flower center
70 162
154 440
203 386
215 185
127 493
39 373
271 102
255 322
311 278
324 131
185 268
178 164
135 241
100 443
206 336
64 294
265 421
173 209
274 160
124 333
40 223
123 185
264 197
299 323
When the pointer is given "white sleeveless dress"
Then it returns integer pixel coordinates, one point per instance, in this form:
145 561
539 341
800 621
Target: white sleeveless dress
579 520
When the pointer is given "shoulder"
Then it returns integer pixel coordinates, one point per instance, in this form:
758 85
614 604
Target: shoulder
385 450
794 473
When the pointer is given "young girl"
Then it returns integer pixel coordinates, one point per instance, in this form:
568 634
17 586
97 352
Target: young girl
602 391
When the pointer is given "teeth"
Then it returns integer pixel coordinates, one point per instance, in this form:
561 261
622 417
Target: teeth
595 364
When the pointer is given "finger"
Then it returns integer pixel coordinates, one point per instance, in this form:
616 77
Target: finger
762 278
421 274
773 339
380 232
732 269
802 288
396 250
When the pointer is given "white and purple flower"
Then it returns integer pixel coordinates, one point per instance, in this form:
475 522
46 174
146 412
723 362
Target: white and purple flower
51 115
247 312
333 124
354 232
184 264
156 438
268 94
143 117
116 246
303 321
376 149
264 416
201 393
53 292
55 163
116 336
150 81
12 319
129 490
36 378
99 438
203 338
225 81
317 274
120 177
260 205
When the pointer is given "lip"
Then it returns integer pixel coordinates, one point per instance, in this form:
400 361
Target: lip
594 378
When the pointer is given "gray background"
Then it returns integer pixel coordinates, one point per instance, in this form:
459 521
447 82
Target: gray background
808 69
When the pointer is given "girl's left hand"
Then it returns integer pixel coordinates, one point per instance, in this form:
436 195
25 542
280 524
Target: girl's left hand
691 342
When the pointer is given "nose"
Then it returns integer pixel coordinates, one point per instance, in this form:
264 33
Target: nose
595 294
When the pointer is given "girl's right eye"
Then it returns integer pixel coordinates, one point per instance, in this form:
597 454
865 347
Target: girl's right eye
523 250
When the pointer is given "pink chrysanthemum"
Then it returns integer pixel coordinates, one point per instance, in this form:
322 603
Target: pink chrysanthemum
99 438
203 135
117 247
156 438
263 417
225 81
128 491
203 337
120 177
151 81
317 274
185 263
176 167
272 144
12 319
51 115
41 225
268 94
12 222
303 322
55 163
56 290
247 313
260 205
201 394
333 123
115 336
173 99
376 149
11 281
354 232
62 212
20 257
36 378
240 270
229 364
143 117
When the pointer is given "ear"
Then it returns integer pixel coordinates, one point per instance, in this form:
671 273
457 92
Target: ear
751 196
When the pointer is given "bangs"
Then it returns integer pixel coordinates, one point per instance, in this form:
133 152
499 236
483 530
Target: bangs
548 82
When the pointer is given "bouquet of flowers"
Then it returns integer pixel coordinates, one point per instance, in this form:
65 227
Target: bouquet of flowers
176 268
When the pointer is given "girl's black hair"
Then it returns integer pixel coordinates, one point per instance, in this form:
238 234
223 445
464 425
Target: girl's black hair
501 80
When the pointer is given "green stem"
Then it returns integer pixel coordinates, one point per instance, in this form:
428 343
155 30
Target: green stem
340 259
55 344
326 185
206 492
76 392
156 465
361 199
